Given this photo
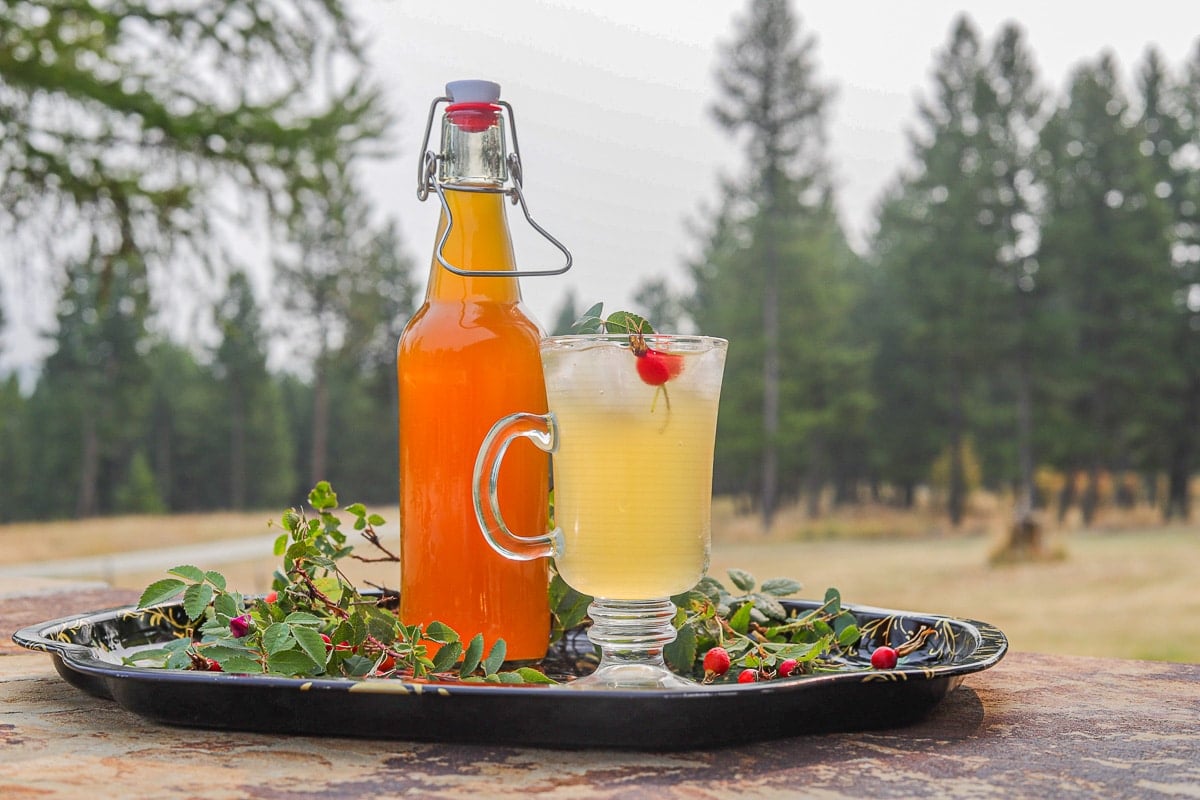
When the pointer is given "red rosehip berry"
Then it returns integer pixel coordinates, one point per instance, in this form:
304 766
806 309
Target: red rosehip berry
214 666
271 597
716 663
656 368
884 658
239 626
386 665
328 642
787 667
748 676
344 647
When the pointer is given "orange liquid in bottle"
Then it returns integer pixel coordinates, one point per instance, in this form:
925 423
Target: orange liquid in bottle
467 358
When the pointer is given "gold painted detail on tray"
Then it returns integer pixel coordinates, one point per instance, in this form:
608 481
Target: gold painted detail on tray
385 687
885 676
304 687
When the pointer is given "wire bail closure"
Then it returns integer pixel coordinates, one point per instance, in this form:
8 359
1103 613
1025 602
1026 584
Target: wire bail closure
427 180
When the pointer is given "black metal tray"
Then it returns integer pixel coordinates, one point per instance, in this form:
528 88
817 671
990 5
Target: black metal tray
87 651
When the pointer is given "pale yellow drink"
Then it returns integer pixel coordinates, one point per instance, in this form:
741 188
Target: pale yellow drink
633 468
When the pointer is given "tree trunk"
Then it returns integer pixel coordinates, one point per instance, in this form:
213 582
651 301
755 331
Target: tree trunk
814 480
1066 498
320 423
163 465
1091 495
89 468
770 462
1183 459
956 503
1025 461
237 449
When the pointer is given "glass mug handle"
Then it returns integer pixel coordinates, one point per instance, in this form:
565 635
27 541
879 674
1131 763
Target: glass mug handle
542 430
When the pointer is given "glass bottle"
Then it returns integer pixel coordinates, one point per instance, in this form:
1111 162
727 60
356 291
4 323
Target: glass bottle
468 357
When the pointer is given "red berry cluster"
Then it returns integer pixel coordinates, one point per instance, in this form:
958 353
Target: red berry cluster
717 663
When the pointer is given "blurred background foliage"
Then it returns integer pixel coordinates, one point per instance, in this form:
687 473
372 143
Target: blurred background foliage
1026 318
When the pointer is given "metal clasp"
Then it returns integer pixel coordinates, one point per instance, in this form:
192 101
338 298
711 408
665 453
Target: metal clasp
427 180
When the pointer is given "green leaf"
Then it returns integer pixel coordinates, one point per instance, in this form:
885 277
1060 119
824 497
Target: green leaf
742 579
472 656
357 509
508 677
291 520
381 624
740 621
193 574
440 632
196 598
711 588
179 660
226 605
311 643
833 600
160 592
291 662
216 579
780 587
848 636
322 497
681 653
157 655
277 638
532 675
591 321
376 520
495 657
303 618
331 587
626 322
446 658
357 666
281 544
769 606
240 665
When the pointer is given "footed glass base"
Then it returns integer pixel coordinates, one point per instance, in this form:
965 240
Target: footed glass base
631 635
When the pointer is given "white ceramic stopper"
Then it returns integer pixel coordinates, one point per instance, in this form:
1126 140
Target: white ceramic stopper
473 91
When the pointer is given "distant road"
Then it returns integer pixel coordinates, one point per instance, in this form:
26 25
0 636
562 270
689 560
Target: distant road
227 551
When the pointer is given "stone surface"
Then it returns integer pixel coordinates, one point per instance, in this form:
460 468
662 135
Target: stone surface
1034 726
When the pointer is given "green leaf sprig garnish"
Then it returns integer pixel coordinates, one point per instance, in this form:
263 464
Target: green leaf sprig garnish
315 622
755 629
594 321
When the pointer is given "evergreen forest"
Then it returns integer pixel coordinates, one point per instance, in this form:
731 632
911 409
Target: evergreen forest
1025 317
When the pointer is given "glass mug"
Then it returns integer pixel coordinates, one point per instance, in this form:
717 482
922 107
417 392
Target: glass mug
632 447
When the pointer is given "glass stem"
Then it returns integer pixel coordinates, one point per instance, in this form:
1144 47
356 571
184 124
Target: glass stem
631 631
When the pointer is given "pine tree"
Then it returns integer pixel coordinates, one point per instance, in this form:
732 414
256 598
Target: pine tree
941 231
259 466
132 122
93 390
348 290
1105 258
1170 128
776 261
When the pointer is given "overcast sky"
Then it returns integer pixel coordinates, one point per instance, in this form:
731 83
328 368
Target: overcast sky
612 101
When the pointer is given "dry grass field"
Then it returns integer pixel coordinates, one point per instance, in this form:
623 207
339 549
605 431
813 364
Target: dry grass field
1127 587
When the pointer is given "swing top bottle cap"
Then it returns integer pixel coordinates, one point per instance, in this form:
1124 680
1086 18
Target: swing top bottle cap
473 91
473 104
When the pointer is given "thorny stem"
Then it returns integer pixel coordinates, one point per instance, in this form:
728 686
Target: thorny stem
317 594
369 534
